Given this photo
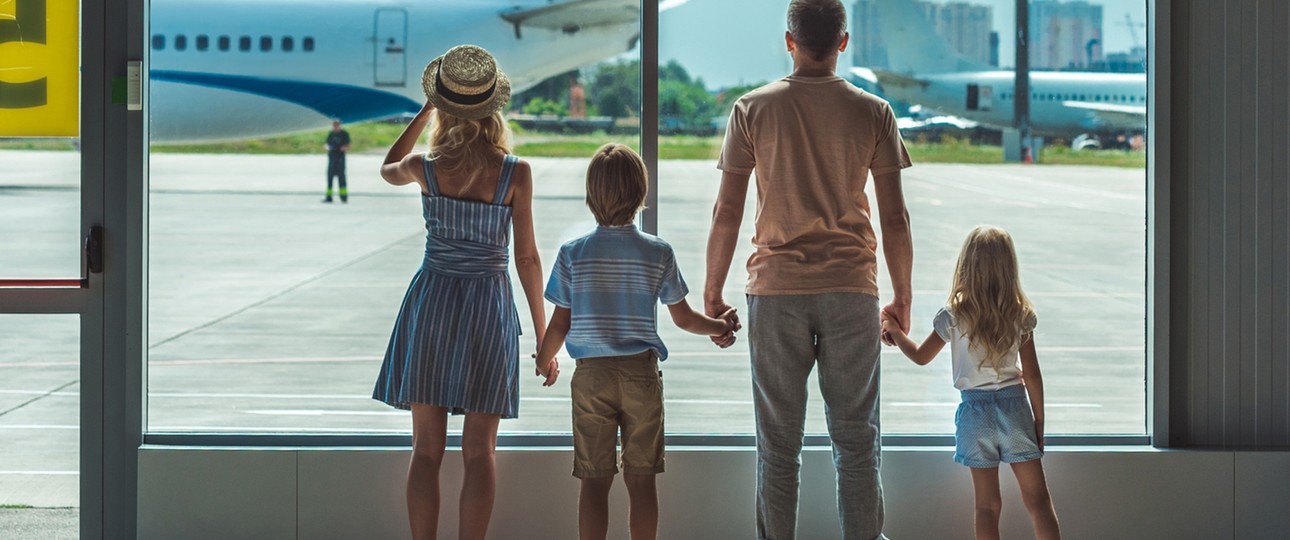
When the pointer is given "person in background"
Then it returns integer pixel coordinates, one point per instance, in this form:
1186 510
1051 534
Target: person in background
337 145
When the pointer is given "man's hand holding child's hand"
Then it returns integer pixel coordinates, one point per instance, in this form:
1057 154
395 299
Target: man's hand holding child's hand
890 327
731 318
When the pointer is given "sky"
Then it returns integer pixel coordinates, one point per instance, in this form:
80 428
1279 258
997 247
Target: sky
729 42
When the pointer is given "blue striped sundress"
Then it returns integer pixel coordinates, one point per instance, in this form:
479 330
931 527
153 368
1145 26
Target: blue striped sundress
455 343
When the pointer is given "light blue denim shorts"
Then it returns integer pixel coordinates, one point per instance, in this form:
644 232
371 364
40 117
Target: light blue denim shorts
995 426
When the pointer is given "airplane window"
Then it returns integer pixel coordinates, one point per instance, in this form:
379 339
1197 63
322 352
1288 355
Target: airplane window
159 42
223 43
181 43
266 43
288 44
244 43
307 44
203 42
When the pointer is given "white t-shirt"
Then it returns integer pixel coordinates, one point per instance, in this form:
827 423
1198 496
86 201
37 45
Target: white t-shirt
967 376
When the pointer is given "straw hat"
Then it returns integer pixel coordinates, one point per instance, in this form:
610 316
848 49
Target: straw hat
465 82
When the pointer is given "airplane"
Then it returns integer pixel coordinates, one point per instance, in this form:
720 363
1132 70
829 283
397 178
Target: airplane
924 70
238 69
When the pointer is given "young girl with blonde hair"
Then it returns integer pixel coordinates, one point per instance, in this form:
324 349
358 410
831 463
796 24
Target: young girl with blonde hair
455 345
989 324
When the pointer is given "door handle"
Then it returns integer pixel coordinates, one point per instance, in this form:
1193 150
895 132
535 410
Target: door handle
393 49
94 250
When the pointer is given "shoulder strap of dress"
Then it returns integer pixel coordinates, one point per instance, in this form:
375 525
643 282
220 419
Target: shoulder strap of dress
504 183
432 183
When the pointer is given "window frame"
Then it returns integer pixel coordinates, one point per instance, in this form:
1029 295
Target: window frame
1156 268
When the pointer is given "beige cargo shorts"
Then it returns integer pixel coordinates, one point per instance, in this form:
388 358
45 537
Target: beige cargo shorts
612 393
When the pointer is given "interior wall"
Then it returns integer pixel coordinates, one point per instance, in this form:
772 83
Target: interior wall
1230 212
706 493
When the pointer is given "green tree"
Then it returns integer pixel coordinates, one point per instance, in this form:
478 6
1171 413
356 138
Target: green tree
554 89
543 106
615 89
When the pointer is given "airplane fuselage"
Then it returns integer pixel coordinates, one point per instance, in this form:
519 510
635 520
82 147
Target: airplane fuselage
225 70
1058 103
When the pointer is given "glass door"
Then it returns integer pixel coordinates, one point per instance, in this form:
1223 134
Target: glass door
52 133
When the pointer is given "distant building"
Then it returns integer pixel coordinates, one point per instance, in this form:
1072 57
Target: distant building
967 27
1134 61
867 47
1065 35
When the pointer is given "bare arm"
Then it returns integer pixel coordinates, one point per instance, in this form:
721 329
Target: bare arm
897 246
686 318
401 166
556 333
920 354
1034 381
527 262
727 215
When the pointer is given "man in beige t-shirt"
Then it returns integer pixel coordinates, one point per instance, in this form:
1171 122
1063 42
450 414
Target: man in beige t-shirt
813 139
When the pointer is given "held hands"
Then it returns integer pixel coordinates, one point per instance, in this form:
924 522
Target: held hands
727 338
719 309
898 314
550 370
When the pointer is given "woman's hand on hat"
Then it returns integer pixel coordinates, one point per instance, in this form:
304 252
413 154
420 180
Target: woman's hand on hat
428 107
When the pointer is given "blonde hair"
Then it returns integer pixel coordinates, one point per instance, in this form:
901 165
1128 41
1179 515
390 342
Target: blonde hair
470 146
986 297
616 184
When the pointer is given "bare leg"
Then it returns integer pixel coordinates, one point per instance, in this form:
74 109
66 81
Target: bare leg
429 432
593 508
643 517
1034 492
479 485
985 485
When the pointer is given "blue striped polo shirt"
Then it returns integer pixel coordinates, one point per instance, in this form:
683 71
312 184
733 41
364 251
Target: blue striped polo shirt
611 281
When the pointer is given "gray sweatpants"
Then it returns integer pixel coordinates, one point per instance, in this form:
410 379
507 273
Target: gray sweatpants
788 335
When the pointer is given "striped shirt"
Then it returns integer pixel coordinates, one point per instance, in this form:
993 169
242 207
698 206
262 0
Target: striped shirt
611 282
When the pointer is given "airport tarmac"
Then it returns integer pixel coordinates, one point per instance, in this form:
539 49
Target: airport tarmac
269 310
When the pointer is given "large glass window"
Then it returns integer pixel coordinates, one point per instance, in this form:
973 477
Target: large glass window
270 310
1077 215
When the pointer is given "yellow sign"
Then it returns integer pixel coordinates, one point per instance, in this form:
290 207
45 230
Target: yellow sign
39 68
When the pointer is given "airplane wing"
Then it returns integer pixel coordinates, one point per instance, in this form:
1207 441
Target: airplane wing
574 15
1112 115
890 79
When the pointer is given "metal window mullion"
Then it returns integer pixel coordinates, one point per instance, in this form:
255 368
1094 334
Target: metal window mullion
649 109
1159 78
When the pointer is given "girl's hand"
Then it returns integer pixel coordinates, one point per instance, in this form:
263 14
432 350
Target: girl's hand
550 370
890 325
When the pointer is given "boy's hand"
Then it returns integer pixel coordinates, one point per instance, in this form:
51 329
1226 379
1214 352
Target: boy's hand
727 338
717 308
550 370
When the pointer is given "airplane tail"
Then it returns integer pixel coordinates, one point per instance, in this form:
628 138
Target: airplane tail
912 44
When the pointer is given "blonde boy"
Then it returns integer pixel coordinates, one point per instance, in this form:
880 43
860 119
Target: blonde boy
606 286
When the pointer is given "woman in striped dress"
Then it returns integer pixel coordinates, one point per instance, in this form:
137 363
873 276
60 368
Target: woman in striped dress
455 345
